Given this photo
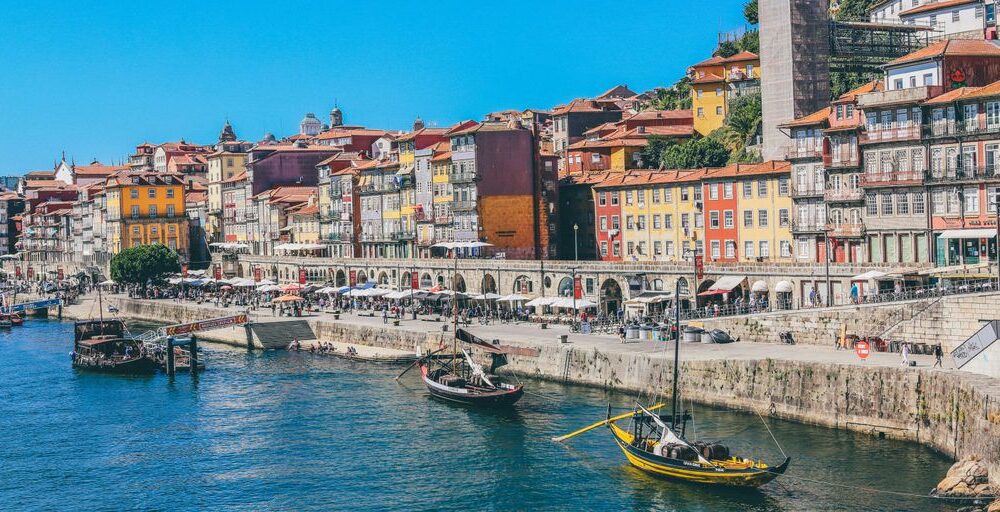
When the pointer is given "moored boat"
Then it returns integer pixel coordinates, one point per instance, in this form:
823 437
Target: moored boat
657 444
104 346
16 319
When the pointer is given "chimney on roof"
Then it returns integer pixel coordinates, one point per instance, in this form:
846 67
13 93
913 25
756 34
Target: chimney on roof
642 129
659 115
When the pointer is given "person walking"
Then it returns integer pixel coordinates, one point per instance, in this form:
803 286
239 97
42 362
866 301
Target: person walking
906 354
385 315
938 354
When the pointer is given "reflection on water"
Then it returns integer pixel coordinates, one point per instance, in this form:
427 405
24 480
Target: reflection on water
293 431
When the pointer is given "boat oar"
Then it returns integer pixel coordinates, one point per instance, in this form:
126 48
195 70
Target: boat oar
417 361
602 423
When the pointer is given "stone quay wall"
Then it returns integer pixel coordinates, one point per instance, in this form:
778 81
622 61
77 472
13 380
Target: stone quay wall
956 413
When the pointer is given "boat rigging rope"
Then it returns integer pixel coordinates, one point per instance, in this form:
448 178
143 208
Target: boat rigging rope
775 439
882 491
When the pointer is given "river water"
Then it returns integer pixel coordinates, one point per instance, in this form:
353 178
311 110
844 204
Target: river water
292 431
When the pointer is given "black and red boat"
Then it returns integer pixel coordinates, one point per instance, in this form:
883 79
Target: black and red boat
460 379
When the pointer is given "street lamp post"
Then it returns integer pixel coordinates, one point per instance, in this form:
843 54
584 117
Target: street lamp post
996 200
826 265
576 244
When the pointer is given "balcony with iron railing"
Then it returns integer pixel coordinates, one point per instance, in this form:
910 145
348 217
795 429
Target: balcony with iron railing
807 226
892 178
425 242
809 150
384 188
843 194
806 190
962 174
443 220
463 206
845 230
953 128
841 162
465 177
403 235
894 134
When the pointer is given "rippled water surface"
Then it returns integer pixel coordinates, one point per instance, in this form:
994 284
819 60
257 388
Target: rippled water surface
283 431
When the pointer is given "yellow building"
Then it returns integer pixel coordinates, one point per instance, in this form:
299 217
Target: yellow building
146 207
304 222
661 216
765 205
227 161
441 189
717 81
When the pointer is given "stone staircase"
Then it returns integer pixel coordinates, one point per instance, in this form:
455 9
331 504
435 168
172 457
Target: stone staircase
280 333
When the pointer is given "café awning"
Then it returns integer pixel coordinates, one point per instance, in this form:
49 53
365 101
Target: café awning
724 285
976 233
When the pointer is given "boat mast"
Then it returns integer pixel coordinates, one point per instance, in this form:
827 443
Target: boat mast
677 350
454 315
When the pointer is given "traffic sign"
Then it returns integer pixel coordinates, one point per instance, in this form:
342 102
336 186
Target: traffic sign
862 349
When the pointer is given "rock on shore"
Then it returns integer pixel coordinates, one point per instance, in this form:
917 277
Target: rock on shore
968 478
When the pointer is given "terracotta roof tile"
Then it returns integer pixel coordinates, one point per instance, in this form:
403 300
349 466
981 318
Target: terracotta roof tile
954 47
936 5
818 117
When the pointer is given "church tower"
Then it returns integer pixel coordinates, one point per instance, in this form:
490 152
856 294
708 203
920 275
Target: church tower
336 117
227 134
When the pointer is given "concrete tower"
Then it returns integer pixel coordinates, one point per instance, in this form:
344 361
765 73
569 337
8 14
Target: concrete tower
795 65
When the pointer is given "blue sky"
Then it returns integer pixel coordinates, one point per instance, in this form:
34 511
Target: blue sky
97 78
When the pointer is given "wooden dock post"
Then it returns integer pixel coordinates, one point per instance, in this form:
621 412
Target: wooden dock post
170 356
249 332
194 354
60 310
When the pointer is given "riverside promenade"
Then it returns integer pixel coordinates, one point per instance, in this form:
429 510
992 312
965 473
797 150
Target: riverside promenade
952 411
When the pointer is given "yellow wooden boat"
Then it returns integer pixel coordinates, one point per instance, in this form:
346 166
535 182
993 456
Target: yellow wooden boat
657 445
647 454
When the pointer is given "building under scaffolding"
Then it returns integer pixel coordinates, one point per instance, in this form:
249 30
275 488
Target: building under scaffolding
862 47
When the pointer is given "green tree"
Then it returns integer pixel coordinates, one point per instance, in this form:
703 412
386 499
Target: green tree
726 49
750 12
745 117
652 154
144 264
853 9
695 153
675 97
750 42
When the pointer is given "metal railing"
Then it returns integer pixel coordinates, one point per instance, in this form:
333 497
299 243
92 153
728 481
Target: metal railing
844 194
809 151
845 230
911 132
468 177
892 177
807 190
962 174
463 205
806 226
848 162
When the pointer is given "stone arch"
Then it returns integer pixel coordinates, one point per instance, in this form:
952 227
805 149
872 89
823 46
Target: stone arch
489 284
547 282
383 278
440 280
523 284
458 283
657 284
684 285
426 281
362 278
371 274
341 279
405 281
611 296
565 287
274 272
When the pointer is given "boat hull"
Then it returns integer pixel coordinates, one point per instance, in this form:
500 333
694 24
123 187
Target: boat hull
752 476
134 366
471 396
